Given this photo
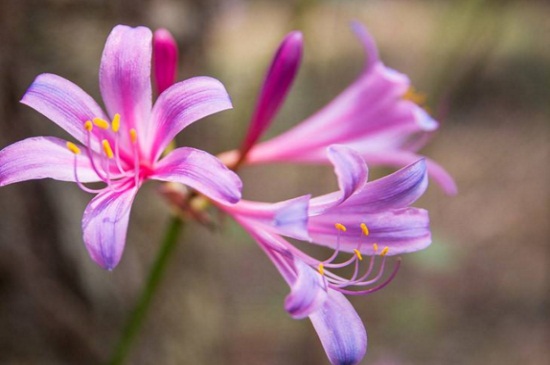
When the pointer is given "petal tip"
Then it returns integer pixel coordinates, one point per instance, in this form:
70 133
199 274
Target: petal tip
425 121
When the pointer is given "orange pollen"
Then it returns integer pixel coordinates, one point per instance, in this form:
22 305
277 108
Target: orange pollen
133 135
88 126
364 229
107 149
340 227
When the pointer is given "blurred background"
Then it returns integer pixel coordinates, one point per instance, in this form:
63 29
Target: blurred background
479 295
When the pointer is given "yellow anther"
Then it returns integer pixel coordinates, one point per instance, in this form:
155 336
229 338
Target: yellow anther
133 135
358 254
416 97
321 269
107 148
375 247
101 123
340 227
115 124
73 148
88 126
384 251
364 229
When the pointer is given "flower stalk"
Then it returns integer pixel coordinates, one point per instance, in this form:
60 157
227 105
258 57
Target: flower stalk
156 274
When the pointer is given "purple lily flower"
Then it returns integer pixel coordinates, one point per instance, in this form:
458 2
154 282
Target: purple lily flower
122 149
362 218
372 115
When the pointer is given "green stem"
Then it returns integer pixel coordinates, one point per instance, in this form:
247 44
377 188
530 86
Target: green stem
135 321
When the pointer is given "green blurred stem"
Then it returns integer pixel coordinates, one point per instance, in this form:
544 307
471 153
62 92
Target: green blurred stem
137 317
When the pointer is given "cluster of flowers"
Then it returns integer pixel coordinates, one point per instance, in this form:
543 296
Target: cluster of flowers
372 120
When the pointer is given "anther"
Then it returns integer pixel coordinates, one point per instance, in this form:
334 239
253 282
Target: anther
115 124
358 254
321 269
416 97
375 247
133 135
364 229
101 123
88 126
340 227
107 148
73 148
384 251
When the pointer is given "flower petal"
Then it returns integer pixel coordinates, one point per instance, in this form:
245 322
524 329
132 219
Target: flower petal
352 174
201 171
165 59
307 292
291 218
401 230
371 51
125 76
401 158
288 218
105 223
182 104
66 104
340 330
396 190
278 81
43 157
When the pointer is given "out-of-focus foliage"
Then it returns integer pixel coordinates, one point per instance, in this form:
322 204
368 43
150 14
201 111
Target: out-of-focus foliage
479 295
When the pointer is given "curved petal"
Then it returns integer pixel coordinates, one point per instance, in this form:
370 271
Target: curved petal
340 330
105 223
278 81
352 174
371 51
125 76
400 189
307 293
182 104
165 59
401 230
396 190
43 157
63 102
400 158
201 171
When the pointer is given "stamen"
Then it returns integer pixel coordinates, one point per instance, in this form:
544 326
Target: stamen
75 168
375 247
115 124
107 149
384 251
88 126
364 229
376 288
101 123
73 148
321 269
133 135
340 227
358 254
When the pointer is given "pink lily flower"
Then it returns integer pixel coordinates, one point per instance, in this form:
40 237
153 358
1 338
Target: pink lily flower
372 115
362 218
121 148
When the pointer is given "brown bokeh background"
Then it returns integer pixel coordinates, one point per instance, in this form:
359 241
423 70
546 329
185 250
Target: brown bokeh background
479 295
